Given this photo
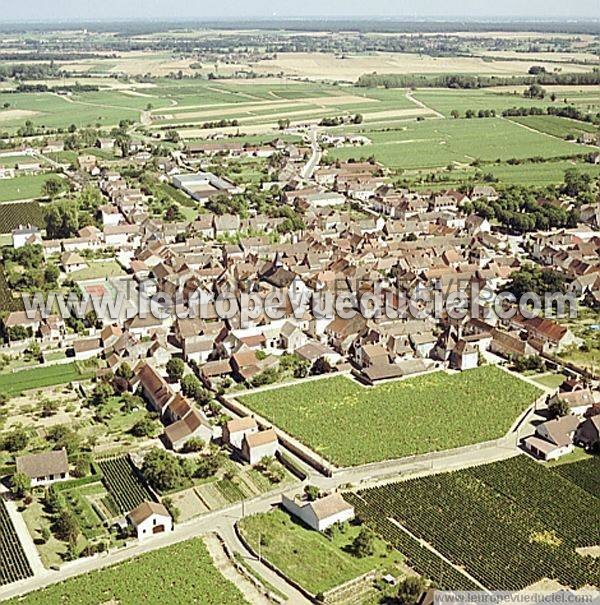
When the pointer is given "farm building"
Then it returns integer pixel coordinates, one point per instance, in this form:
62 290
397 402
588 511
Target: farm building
235 430
257 446
149 519
321 513
44 468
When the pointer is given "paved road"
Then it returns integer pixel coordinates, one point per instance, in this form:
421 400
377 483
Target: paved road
310 167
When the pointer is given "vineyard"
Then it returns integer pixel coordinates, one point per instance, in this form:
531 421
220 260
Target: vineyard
585 474
123 484
508 524
7 301
21 213
350 425
14 565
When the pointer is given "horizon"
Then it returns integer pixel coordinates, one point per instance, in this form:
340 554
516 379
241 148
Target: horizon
61 11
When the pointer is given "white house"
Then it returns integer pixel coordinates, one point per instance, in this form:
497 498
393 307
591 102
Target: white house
44 468
25 234
257 446
553 438
235 430
149 519
71 262
321 513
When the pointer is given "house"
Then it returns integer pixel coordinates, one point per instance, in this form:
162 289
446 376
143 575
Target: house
579 401
155 388
24 235
318 514
464 356
87 348
292 337
553 438
105 143
256 446
72 262
44 468
588 434
484 191
554 335
149 519
193 424
235 430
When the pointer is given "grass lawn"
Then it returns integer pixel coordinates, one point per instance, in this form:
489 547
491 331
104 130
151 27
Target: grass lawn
308 557
97 270
551 381
13 384
351 425
23 187
183 573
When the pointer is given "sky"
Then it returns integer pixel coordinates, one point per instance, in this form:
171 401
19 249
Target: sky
72 10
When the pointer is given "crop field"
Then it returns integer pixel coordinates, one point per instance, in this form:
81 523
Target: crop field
445 101
437 143
17 382
182 573
555 125
509 524
314 561
22 187
585 474
124 486
265 104
54 111
351 425
14 565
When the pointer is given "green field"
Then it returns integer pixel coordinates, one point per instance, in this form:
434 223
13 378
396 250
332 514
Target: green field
17 382
314 561
350 425
584 473
509 524
23 187
97 270
555 125
54 111
445 101
180 574
437 143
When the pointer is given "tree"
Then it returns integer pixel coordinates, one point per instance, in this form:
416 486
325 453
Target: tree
20 485
64 437
364 543
66 526
144 427
321 366
163 470
16 440
52 187
455 114
62 220
312 492
175 368
191 386
101 394
558 407
194 444
125 371
410 590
